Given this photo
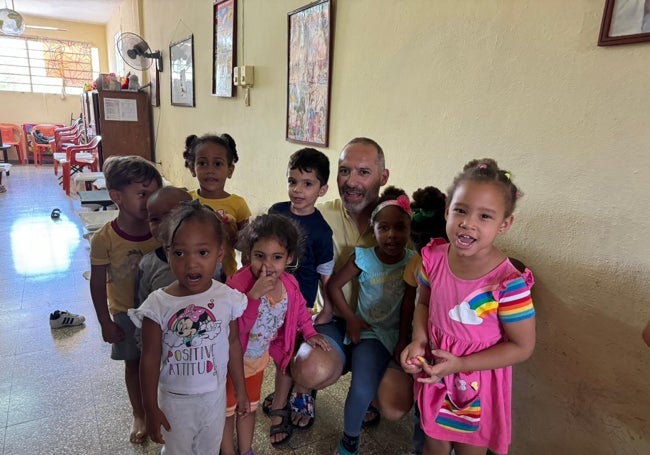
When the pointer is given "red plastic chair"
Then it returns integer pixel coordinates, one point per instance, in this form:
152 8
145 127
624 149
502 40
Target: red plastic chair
12 134
47 130
63 138
79 157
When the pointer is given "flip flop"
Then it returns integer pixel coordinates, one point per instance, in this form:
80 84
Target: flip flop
56 213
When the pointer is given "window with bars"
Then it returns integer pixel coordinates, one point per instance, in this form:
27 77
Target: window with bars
43 65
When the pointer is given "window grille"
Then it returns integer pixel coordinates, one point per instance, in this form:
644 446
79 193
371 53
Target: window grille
44 65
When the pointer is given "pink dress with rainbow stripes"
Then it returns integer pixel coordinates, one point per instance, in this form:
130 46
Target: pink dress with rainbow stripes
466 316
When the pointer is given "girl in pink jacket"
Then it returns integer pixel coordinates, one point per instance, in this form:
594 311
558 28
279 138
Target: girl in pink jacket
275 314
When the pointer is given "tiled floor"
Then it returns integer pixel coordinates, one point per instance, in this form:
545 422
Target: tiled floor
59 391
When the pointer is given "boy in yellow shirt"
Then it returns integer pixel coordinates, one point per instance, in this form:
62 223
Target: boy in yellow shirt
115 251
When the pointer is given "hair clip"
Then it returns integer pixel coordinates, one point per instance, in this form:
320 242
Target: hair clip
482 166
507 175
420 215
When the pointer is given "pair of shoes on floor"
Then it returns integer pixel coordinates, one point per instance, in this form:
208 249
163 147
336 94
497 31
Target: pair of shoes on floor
60 319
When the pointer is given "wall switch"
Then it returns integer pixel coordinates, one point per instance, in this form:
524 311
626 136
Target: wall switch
235 76
246 75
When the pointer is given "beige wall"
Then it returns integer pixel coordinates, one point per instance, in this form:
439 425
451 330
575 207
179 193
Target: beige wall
18 107
438 83
127 19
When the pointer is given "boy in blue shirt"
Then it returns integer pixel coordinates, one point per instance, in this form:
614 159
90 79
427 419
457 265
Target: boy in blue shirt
307 175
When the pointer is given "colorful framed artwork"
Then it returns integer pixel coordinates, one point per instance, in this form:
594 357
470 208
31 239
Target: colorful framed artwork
625 22
181 60
224 46
309 72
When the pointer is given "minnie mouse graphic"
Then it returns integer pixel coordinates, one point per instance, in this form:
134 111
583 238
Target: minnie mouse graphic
193 323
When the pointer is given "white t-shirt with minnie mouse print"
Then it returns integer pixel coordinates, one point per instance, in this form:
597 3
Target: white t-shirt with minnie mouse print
195 333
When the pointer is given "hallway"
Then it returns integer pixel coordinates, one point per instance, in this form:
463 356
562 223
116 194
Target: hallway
59 391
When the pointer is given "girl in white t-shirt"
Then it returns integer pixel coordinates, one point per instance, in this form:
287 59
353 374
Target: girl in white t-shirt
189 333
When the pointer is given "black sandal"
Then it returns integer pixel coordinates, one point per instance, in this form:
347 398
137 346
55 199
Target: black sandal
284 427
266 404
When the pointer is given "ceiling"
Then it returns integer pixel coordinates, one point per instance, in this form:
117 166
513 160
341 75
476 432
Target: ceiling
93 11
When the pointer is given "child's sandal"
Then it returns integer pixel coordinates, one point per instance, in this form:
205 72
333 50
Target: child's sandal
284 427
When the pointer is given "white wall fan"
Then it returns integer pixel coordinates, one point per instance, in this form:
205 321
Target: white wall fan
136 52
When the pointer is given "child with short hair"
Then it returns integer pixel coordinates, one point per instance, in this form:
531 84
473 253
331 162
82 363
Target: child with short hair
212 159
190 338
154 271
276 312
307 175
474 319
372 331
115 251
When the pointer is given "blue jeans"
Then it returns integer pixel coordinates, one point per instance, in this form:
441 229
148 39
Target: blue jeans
369 360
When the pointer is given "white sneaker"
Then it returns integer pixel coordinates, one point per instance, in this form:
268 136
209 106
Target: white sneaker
60 319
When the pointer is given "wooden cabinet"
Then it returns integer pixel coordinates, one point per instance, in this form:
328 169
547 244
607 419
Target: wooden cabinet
123 119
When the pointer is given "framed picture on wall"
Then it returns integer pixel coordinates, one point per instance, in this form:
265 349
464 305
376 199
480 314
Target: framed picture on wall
181 64
309 71
224 46
625 22
154 88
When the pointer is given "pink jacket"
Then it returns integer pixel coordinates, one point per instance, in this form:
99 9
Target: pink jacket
297 319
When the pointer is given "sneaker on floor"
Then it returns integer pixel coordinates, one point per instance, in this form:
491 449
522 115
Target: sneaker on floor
60 319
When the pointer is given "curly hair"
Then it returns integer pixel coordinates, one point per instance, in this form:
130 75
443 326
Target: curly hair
428 221
486 170
279 227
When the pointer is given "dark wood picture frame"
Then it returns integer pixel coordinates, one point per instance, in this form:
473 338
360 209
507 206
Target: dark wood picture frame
309 69
625 23
181 70
154 75
224 45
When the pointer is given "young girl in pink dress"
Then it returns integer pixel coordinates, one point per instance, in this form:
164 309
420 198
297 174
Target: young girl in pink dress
473 321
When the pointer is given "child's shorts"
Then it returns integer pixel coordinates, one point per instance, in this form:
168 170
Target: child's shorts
253 388
127 349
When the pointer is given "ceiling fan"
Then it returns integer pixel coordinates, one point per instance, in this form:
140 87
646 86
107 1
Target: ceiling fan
13 24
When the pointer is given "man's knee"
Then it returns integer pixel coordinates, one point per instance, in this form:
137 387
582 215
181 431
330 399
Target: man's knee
314 368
